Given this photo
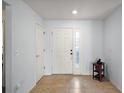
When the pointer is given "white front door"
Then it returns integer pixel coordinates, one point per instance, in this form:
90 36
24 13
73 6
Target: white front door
62 51
39 52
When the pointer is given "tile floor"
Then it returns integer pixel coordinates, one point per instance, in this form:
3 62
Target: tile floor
72 84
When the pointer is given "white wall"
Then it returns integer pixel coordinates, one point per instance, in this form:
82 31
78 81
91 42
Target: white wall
23 47
91 36
113 47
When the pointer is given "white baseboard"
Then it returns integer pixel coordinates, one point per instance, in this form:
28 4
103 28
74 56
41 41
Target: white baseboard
116 86
47 74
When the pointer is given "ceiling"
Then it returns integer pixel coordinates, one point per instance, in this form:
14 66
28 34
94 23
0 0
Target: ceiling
62 9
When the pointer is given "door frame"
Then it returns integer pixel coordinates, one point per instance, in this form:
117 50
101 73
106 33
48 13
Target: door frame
8 36
73 47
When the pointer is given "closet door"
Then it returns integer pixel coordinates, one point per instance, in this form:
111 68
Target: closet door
39 51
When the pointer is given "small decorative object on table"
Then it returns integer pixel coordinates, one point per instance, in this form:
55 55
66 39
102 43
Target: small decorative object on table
98 70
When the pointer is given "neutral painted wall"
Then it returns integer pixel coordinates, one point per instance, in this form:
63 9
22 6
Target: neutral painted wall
22 41
91 38
113 47
24 21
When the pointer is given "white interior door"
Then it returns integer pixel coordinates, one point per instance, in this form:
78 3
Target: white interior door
39 51
62 51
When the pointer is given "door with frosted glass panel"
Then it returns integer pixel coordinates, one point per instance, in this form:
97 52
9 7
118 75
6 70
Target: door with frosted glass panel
76 52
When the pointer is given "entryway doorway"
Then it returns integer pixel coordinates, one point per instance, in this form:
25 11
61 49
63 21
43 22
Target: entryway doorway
65 51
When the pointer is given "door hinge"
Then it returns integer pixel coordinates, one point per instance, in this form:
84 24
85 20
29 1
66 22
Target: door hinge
44 33
52 33
44 50
44 67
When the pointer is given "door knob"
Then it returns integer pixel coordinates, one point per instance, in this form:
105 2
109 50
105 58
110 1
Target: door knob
71 53
71 50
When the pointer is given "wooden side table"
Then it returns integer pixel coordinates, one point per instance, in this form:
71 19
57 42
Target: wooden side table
98 71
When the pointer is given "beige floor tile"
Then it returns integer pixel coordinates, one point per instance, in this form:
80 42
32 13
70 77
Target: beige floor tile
72 84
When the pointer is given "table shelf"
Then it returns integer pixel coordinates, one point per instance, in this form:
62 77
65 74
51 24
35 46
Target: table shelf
98 71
